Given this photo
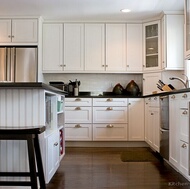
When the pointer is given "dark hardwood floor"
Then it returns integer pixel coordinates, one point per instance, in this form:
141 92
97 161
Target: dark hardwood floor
102 168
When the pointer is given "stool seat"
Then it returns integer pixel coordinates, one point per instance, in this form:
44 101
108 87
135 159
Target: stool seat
30 134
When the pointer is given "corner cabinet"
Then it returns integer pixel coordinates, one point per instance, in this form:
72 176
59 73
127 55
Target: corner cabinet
151 33
19 30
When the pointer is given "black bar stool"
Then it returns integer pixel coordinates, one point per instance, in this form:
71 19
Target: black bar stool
34 155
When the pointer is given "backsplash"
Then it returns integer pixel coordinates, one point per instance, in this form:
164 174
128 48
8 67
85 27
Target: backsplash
96 82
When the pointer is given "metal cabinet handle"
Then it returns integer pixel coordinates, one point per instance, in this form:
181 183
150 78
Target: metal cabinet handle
173 96
109 100
9 36
184 96
77 108
12 36
56 144
184 112
152 114
155 98
110 126
109 108
129 103
77 99
184 145
77 126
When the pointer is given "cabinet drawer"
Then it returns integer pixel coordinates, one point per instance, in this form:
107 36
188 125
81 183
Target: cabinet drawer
78 101
78 132
110 102
109 132
78 114
184 124
109 114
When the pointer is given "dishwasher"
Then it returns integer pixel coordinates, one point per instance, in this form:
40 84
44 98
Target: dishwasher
164 127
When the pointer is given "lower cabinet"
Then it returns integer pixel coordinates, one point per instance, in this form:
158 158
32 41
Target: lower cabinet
52 155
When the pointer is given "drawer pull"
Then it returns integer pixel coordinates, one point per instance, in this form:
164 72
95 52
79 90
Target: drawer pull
152 114
109 126
77 108
109 108
77 99
184 96
184 145
185 112
77 126
56 144
109 100
173 96
155 98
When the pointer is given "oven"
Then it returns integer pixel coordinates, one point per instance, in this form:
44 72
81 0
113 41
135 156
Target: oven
164 127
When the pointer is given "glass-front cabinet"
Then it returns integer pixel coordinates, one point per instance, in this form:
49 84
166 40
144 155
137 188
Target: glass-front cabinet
152 46
187 29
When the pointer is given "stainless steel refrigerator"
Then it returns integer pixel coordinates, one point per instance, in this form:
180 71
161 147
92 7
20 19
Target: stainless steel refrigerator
18 64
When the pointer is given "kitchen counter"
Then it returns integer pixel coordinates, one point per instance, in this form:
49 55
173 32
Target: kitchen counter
30 85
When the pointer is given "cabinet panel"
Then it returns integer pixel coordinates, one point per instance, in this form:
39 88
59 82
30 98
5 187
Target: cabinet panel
116 47
184 125
5 30
78 132
109 132
78 102
109 114
78 114
94 47
73 47
110 102
53 54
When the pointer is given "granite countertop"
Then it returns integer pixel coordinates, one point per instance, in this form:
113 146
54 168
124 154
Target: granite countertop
30 85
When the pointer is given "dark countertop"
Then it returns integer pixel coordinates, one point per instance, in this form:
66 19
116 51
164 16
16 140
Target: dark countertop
30 85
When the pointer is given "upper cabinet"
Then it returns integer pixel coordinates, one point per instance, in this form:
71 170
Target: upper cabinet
115 47
18 30
173 42
151 33
134 48
187 29
73 47
94 47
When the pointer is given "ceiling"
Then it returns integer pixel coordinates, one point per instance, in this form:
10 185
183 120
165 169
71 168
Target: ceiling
89 10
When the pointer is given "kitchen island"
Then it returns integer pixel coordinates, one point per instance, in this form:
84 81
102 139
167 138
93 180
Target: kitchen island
32 105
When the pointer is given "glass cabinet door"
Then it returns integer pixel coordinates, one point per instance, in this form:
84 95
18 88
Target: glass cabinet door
151 46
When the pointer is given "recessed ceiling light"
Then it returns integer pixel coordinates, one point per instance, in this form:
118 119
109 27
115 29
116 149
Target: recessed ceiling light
125 10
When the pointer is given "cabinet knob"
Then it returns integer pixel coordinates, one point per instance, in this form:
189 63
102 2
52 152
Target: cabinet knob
185 112
173 96
109 100
56 144
127 65
103 65
155 98
77 126
184 96
129 103
9 36
77 99
152 114
12 36
109 126
184 145
106 66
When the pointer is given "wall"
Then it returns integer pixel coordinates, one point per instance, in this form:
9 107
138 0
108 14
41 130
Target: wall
96 82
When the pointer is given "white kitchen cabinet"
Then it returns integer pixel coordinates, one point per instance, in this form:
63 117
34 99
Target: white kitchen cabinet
73 47
152 49
174 122
152 122
149 82
136 126
94 47
134 48
78 119
52 53
187 29
173 42
18 30
116 47
52 155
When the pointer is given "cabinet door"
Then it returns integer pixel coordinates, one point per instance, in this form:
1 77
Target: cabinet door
116 47
52 155
134 48
149 82
5 30
52 47
73 47
136 126
25 30
152 46
173 42
174 104
94 47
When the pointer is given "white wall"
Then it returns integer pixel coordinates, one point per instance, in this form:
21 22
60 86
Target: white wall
96 82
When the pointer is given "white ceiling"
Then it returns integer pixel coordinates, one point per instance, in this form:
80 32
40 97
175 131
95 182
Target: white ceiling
89 10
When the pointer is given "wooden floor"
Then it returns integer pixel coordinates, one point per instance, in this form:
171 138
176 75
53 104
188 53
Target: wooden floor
102 168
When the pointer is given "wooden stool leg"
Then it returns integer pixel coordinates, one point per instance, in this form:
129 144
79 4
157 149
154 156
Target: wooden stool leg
32 164
39 163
